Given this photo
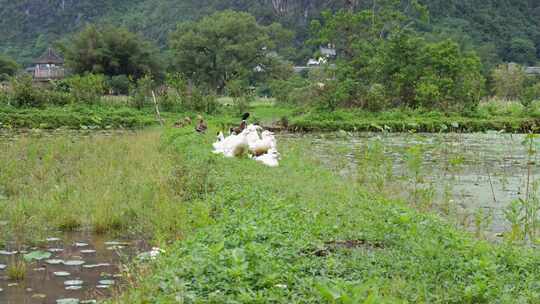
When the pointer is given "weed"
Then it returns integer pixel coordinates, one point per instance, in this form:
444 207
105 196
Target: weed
16 270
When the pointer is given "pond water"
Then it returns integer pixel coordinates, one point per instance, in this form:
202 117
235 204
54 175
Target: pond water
81 266
481 173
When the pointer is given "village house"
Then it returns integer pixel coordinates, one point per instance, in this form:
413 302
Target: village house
50 66
533 71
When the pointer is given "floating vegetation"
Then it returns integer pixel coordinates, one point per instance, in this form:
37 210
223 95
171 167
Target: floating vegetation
91 266
5 252
88 251
74 263
53 239
54 261
116 243
68 301
37 256
103 286
55 250
73 283
106 282
61 273
74 287
81 244
3 266
39 296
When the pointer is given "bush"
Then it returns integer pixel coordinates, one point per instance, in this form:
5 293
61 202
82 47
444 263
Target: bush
508 81
23 92
141 93
241 95
119 84
532 93
88 88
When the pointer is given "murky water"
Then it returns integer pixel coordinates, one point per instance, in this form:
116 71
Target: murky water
81 266
482 171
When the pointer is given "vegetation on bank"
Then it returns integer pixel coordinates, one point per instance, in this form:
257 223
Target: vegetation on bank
301 234
106 184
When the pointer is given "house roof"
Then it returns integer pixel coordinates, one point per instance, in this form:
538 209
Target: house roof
49 56
328 51
532 70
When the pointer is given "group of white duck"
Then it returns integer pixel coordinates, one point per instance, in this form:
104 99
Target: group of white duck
259 144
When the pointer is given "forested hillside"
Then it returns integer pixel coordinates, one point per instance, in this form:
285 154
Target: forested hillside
498 29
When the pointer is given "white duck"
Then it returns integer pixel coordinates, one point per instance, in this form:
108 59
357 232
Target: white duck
232 146
261 145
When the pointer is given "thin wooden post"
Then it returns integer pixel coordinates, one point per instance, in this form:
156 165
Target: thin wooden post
157 108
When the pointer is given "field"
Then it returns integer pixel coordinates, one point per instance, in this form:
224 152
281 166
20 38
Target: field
235 231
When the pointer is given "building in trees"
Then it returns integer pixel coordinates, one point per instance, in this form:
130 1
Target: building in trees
533 71
49 66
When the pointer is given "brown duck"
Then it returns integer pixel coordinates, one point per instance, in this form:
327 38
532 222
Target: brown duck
242 126
201 125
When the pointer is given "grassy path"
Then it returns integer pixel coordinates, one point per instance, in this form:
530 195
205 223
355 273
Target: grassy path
299 234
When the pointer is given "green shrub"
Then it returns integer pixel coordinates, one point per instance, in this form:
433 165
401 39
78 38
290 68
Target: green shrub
119 84
141 93
23 92
88 88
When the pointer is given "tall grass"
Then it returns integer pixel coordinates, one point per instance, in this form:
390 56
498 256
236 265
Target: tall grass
104 183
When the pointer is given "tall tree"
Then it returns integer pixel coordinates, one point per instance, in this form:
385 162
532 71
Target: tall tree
225 46
8 67
111 51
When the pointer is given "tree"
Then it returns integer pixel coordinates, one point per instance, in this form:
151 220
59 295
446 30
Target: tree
225 46
8 67
509 80
522 51
383 60
111 51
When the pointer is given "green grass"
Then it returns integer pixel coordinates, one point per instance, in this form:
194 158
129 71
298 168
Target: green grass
279 236
489 117
75 117
121 183
493 115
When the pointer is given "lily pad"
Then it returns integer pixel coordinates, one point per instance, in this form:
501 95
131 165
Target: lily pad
89 302
81 244
73 283
91 266
2 266
55 250
106 282
37 256
39 296
5 252
61 273
53 239
116 243
103 286
115 247
68 301
74 263
74 287
54 262
88 251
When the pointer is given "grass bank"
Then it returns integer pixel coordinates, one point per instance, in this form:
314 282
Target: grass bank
75 117
300 234
507 116
403 120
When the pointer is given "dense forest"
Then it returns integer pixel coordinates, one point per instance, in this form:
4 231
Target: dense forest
499 30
